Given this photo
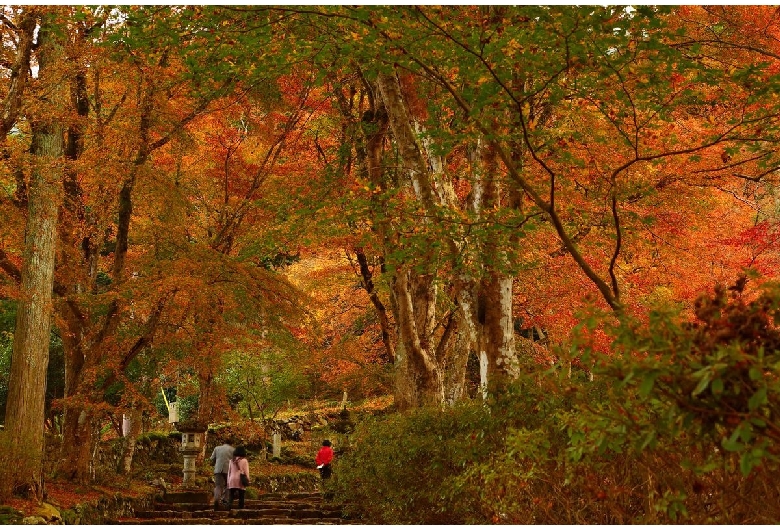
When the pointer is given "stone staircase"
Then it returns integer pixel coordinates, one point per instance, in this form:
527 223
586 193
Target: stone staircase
270 508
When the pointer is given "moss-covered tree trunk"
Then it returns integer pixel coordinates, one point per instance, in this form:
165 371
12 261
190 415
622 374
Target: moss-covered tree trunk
25 407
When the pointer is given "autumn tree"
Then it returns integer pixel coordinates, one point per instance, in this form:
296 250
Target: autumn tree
479 165
583 124
215 280
95 311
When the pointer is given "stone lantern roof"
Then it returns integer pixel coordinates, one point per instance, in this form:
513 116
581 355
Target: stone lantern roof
191 426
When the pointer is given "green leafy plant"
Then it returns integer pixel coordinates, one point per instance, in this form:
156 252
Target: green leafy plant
713 379
424 466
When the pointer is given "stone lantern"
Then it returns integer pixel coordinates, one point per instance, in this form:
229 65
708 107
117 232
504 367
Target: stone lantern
344 427
192 435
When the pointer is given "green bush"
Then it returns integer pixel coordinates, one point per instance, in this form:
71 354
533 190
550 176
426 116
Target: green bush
390 456
678 427
421 467
714 379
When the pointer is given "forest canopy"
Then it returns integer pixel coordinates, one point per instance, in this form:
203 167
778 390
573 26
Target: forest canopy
242 206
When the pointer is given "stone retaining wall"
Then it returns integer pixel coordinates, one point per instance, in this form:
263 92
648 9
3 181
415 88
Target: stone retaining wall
101 511
106 509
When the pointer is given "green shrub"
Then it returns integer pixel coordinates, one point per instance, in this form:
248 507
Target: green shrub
421 467
715 378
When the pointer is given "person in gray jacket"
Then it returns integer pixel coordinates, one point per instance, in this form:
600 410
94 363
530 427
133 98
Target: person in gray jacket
220 457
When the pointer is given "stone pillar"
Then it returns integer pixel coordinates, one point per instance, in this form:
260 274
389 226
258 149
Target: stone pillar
173 412
189 469
277 441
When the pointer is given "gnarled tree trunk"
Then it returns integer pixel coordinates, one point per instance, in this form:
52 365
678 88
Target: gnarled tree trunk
418 377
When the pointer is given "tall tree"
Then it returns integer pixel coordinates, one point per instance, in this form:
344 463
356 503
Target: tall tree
29 363
578 107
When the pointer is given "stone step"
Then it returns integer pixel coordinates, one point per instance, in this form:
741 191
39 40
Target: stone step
176 497
269 508
264 521
248 504
181 514
194 507
282 520
245 512
296 514
292 495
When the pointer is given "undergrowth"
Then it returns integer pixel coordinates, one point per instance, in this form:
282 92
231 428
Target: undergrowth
680 425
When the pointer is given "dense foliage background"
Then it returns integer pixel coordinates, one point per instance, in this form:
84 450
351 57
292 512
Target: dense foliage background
548 234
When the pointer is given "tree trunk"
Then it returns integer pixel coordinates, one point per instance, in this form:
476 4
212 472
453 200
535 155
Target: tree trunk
497 355
206 401
130 438
455 362
77 445
498 340
76 437
206 397
27 385
418 378
400 120
207 386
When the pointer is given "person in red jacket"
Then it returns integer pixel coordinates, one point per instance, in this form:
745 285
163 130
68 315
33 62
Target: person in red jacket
324 458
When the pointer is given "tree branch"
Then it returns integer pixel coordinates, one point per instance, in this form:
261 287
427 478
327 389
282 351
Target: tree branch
9 268
143 341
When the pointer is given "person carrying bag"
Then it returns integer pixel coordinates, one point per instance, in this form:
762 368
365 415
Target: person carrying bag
238 477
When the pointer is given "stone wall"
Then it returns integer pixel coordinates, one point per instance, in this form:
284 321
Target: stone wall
106 509
102 511
150 449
